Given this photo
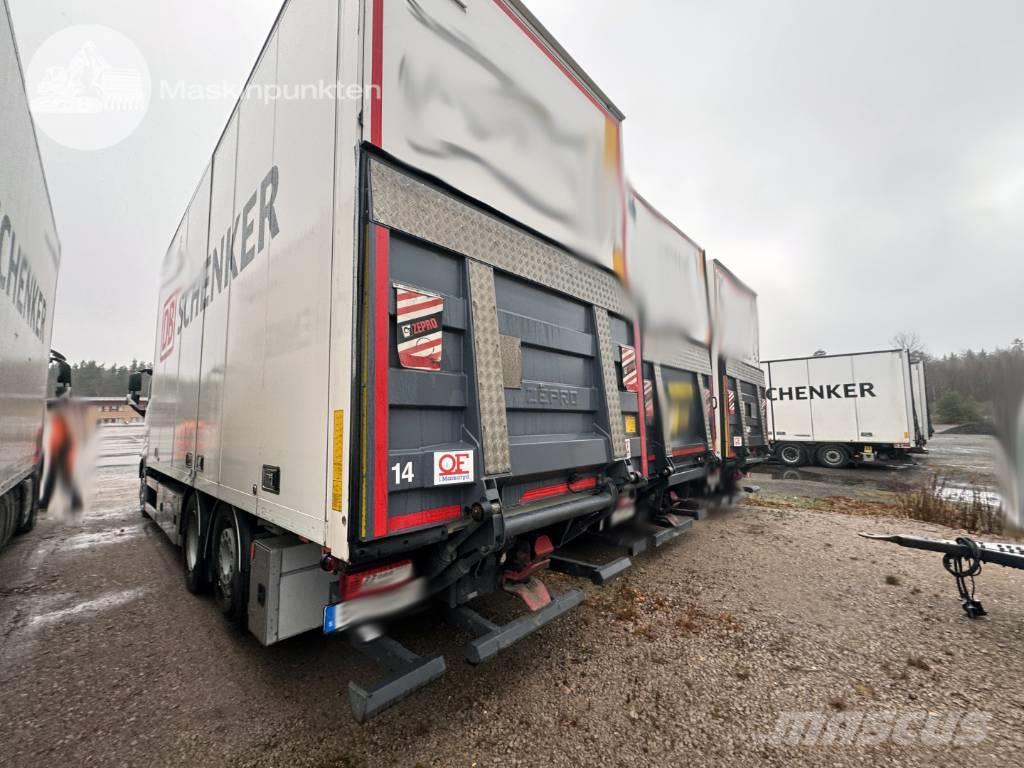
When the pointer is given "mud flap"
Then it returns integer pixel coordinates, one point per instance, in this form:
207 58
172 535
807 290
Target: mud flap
490 638
409 673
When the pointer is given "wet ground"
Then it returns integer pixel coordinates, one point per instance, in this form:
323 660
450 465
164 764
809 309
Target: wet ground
968 461
701 654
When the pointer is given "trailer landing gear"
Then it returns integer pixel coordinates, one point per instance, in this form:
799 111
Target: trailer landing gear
409 673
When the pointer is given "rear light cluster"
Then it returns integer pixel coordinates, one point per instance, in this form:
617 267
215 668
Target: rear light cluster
373 581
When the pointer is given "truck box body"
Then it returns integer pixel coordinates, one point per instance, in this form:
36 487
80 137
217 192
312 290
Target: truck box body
739 381
29 260
922 414
853 400
378 312
667 278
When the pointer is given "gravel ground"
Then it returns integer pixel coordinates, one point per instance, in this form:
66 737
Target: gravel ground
691 657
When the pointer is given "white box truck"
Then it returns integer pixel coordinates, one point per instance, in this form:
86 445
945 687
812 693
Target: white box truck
391 330
739 381
29 261
837 410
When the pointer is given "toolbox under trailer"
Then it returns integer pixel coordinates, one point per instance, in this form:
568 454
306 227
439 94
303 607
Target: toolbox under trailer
391 331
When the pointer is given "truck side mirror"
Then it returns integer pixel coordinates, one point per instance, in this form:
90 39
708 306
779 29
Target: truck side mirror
135 386
135 389
63 377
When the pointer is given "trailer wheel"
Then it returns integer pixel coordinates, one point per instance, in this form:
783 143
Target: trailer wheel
792 455
833 456
229 551
193 550
29 505
8 518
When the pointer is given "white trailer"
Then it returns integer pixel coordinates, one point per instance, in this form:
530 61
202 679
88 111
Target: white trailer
392 329
841 409
29 260
922 413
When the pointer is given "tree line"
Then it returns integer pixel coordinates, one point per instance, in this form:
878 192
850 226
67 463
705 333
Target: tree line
92 379
972 386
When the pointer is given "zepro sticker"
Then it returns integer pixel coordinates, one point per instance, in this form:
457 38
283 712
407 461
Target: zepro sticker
453 467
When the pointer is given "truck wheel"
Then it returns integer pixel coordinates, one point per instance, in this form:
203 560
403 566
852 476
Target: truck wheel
193 550
833 456
8 518
229 551
792 455
29 505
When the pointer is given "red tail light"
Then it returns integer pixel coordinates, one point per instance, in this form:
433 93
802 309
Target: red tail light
373 581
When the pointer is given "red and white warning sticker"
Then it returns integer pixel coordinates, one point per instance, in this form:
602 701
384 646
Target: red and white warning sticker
649 399
453 467
630 379
419 328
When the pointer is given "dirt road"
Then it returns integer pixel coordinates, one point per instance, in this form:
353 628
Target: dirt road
746 642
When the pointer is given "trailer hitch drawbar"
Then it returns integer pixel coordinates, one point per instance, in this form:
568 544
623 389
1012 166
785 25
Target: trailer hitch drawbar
963 558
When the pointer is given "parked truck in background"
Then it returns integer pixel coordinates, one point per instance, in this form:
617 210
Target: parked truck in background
667 275
29 261
837 410
739 381
393 336
922 409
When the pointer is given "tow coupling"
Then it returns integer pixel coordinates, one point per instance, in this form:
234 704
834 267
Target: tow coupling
520 578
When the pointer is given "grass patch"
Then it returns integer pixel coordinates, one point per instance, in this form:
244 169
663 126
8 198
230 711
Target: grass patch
956 506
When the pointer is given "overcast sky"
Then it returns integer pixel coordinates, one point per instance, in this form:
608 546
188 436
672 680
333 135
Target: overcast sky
859 164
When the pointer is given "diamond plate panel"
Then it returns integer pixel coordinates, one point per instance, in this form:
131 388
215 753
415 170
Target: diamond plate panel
677 352
512 361
611 384
747 373
407 204
490 375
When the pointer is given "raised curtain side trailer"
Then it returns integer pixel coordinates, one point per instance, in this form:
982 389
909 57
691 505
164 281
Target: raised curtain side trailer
29 262
391 331
739 382
837 410
922 413
667 274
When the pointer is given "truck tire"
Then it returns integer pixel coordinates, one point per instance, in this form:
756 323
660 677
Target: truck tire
193 547
9 512
833 456
29 505
791 455
229 556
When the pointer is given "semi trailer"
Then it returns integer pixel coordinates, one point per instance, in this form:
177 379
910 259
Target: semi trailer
395 361
667 276
922 411
837 410
739 399
29 262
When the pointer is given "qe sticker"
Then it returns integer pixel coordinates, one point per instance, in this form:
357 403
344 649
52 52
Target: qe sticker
453 467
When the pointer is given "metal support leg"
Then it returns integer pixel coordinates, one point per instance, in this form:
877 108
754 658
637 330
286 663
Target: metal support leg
409 673
492 638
